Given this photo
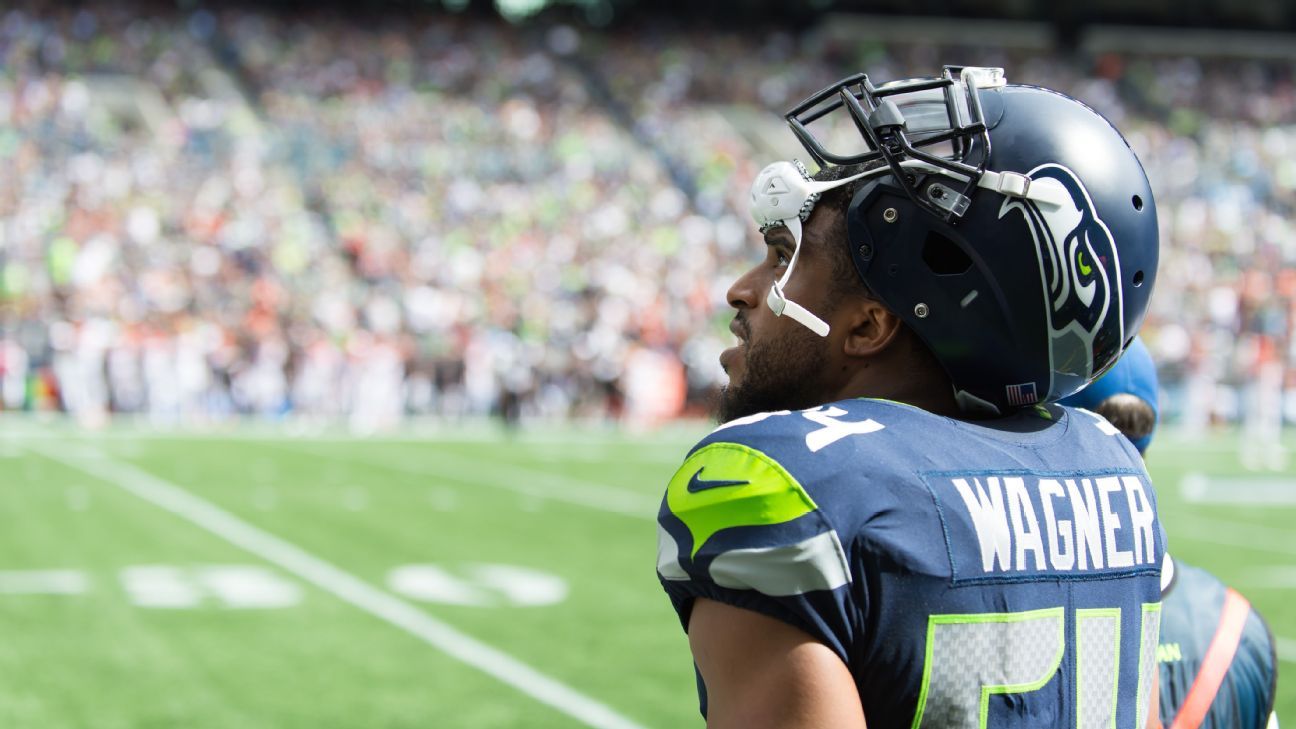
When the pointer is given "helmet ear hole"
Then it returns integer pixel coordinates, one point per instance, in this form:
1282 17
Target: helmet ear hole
943 256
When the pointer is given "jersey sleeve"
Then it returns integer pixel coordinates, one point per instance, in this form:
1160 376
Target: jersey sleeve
736 526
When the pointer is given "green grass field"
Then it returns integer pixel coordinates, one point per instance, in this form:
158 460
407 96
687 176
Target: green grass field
444 579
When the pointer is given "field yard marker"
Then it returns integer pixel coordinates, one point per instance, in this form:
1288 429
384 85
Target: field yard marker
237 587
478 585
160 586
517 479
342 584
43 582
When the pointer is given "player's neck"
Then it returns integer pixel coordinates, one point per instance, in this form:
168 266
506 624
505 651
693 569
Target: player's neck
919 386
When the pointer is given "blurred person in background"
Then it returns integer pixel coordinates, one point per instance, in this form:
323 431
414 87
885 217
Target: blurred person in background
1218 668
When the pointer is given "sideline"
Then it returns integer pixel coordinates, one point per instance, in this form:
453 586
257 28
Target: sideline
664 442
507 477
347 587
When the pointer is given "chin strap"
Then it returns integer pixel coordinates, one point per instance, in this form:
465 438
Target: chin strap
779 303
1015 184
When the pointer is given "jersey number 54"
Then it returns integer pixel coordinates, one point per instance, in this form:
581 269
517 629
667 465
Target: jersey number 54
970 658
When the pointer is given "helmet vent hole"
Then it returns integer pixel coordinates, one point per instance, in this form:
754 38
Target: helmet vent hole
943 256
1138 202
1138 278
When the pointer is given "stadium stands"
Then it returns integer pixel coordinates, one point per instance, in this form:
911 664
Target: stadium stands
246 213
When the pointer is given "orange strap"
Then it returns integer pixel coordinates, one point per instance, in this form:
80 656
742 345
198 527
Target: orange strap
1219 656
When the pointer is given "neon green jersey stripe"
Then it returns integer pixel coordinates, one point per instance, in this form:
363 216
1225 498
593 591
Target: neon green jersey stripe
727 485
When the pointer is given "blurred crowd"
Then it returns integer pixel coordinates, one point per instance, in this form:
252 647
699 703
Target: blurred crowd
212 215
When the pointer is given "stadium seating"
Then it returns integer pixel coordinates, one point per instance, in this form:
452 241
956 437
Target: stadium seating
246 214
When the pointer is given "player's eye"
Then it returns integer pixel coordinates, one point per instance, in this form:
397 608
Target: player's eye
781 258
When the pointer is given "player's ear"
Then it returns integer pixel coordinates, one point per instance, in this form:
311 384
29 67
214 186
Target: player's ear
872 328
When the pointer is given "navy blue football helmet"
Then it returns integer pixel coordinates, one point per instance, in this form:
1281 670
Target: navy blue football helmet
1011 227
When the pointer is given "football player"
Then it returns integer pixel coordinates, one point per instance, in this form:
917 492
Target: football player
895 526
1218 667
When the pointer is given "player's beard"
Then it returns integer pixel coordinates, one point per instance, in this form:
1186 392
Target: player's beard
785 374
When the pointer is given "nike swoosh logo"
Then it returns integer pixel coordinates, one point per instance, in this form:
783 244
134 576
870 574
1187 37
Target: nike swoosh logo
696 484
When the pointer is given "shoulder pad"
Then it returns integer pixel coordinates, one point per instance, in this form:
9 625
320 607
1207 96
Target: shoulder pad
735 517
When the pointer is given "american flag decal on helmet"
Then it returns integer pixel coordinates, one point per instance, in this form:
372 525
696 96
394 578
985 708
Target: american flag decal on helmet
1023 394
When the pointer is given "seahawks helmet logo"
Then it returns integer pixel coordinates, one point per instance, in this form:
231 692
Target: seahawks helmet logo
1075 250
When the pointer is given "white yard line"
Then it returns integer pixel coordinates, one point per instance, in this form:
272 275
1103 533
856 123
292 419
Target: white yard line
1231 534
343 585
1199 488
1274 577
510 477
668 445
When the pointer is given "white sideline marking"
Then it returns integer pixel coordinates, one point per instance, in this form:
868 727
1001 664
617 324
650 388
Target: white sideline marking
673 441
1198 488
43 582
1286 649
345 586
513 478
1232 534
1276 576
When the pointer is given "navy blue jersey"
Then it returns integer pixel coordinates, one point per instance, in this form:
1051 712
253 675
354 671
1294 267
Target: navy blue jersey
1000 574
1190 616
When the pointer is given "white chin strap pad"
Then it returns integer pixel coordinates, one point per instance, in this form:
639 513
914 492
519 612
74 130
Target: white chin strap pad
783 194
780 305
